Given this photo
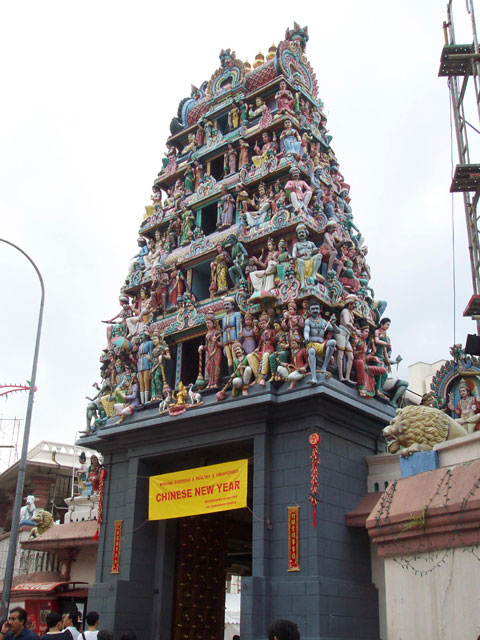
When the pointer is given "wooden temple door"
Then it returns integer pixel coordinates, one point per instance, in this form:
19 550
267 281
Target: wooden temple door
199 612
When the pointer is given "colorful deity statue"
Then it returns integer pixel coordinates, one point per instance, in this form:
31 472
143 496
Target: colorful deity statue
307 259
230 161
145 352
269 146
290 139
226 209
259 359
249 333
299 192
239 260
317 344
231 327
468 406
213 352
264 278
160 356
219 271
284 98
264 210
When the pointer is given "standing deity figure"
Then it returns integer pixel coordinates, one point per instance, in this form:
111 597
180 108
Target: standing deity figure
383 351
367 366
144 366
188 223
218 271
316 344
231 327
240 261
200 134
226 209
160 354
291 139
346 330
177 286
213 352
230 160
264 211
317 187
264 279
298 191
307 259
198 170
468 407
233 119
284 98
328 248
243 155
249 333
189 177
160 282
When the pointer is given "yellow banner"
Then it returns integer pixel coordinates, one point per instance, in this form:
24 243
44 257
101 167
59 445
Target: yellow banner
219 487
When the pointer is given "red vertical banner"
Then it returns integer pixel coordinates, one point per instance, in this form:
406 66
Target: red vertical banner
293 539
117 537
314 440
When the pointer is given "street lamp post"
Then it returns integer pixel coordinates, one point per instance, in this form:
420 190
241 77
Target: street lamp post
12 547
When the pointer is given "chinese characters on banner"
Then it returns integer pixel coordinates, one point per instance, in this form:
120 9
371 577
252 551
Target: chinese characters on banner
293 546
117 537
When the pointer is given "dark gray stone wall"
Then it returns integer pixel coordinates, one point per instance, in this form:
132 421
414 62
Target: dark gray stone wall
332 595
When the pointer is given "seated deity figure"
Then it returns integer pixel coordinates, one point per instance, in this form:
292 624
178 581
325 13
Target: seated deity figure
314 333
264 211
261 155
299 191
468 407
290 139
264 279
305 253
284 98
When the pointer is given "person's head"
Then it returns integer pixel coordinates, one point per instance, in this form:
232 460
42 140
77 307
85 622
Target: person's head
104 634
128 635
385 323
17 620
92 619
314 308
283 630
54 621
70 619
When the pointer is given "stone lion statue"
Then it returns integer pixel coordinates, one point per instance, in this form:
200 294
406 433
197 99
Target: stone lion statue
43 520
419 428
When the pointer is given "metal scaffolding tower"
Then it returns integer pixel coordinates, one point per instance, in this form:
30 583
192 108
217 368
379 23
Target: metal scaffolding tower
460 63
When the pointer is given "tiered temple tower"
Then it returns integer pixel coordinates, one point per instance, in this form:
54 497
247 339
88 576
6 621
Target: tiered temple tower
248 330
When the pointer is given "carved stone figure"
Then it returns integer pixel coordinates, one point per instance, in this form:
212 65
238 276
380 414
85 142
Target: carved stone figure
306 255
315 342
213 352
419 428
43 522
299 192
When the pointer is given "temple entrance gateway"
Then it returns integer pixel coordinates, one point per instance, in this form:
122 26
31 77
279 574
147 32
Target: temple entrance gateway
208 547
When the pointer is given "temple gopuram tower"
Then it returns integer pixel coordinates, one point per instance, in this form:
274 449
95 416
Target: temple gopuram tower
246 375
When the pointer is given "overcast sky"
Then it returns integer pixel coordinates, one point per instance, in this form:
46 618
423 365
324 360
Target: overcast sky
88 92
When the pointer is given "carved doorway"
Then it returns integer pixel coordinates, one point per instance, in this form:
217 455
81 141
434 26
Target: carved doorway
200 578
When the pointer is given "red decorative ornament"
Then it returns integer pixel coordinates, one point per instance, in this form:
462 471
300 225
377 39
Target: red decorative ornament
314 440
103 474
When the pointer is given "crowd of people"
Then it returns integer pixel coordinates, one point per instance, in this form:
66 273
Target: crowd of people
67 626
